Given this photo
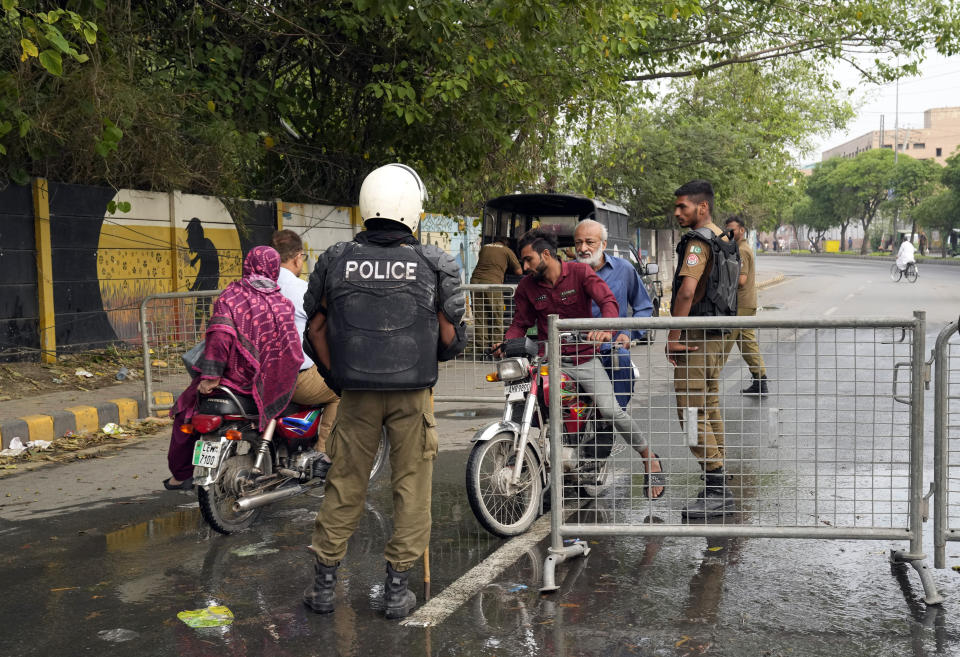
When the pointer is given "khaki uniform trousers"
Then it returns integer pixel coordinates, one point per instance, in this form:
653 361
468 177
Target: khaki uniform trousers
746 341
488 309
696 380
412 433
312 390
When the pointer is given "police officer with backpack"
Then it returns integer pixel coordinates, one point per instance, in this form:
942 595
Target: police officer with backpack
383 310
704 285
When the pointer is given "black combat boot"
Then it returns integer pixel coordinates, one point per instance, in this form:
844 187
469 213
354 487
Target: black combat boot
398 600
758 387
714 500
319 595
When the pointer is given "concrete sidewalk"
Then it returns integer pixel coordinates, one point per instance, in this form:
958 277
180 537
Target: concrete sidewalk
49 416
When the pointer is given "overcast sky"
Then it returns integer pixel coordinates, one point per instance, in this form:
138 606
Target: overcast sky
937 86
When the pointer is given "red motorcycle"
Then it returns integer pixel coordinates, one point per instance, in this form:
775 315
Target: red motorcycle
238 469
509 465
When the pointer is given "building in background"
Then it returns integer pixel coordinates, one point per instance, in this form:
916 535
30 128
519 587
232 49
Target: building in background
937 139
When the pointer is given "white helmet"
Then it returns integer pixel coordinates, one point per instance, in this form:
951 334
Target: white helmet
395 192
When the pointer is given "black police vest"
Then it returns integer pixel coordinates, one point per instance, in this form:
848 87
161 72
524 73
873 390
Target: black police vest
382 323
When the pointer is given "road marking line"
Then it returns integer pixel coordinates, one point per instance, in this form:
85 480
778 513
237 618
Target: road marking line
849 296
472 582
830 311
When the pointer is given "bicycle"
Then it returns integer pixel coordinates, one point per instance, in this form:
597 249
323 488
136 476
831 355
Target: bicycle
911 272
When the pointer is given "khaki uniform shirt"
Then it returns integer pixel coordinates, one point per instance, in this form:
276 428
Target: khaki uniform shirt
747 295
492 264
696 261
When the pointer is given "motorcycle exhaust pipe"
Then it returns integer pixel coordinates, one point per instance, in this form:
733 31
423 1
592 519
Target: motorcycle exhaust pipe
254 501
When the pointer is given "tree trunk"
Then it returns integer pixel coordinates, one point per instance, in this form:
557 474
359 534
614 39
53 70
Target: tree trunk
866 242
843 236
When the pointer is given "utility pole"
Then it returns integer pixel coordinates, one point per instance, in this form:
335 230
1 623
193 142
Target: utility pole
896 125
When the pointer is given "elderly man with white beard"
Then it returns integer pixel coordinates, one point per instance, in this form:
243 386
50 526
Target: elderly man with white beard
590 242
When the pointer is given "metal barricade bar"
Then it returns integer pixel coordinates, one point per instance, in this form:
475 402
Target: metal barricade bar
834 450
489 313
944 530
171 334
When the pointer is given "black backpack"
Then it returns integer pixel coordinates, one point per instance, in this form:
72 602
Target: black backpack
723 280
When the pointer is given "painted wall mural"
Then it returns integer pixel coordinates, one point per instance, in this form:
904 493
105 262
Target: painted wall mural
18 273
319 226
456 235
105 263
147 251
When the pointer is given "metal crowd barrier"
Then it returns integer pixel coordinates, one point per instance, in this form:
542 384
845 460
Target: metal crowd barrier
946 434
489 313
834 450
170 324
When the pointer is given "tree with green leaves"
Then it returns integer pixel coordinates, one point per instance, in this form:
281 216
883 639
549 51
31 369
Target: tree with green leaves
37 43
831 202
914 181
735 128
300 99
940 212
867 182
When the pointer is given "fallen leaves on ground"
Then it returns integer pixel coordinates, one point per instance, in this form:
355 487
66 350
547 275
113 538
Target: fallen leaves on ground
65 447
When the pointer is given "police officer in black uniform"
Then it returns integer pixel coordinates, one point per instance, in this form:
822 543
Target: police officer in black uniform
383 310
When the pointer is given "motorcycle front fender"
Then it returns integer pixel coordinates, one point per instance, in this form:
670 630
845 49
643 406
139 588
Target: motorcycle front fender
491 430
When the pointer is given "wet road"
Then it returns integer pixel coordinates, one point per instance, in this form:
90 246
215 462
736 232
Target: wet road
102 563
111 580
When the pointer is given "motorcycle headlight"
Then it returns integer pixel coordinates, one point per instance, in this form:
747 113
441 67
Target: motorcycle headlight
511 369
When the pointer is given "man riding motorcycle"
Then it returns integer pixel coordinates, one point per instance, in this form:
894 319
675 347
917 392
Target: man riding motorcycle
590 241
568 289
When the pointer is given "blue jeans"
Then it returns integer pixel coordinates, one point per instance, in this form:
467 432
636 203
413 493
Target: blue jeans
619 368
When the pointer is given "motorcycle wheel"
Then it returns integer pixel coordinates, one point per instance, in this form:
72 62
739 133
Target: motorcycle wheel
381 457
216 501
489 468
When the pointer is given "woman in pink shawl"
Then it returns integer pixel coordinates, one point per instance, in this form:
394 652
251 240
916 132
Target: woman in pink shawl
252 347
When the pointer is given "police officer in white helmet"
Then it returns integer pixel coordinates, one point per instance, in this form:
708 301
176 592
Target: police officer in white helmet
383 310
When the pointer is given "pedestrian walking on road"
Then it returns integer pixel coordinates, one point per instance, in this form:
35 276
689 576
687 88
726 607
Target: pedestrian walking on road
697 353
746 339
382 311
493 262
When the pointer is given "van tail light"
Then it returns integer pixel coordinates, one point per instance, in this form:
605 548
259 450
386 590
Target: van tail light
206 423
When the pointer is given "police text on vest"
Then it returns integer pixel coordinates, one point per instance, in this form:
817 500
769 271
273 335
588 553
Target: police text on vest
380 270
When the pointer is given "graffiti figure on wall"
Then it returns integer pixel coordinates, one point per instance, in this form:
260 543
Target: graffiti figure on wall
208 276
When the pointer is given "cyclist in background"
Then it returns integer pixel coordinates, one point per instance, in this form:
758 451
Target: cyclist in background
905 254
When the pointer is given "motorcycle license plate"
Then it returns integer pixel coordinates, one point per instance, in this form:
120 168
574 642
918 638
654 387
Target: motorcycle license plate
206 454
517 388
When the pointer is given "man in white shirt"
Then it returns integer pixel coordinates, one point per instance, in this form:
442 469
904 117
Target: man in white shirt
905 254
311 389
